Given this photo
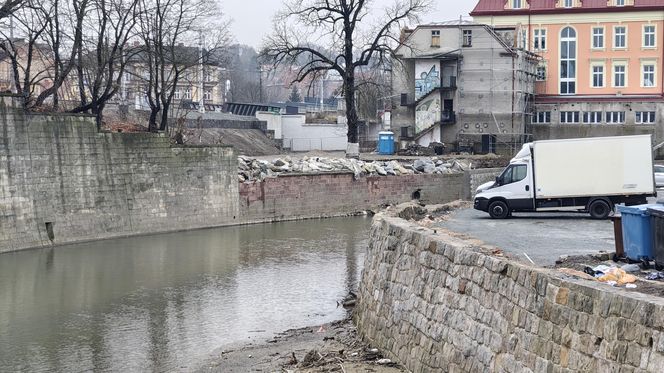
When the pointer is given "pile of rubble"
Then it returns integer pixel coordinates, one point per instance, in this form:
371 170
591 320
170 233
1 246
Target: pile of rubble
251 169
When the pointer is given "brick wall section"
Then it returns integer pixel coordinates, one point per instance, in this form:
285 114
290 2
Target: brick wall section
333 194
58 169
435 303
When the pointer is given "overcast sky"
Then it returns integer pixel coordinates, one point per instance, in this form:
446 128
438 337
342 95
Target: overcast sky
252 19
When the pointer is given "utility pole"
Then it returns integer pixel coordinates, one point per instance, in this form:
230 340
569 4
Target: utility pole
260 83
322 93
201 87
12 83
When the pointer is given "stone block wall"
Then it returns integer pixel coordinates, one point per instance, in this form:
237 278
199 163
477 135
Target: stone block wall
332 194
475 178
436 303
61 179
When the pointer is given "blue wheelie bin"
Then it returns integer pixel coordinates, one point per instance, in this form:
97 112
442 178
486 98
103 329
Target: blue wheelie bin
657 226
637 232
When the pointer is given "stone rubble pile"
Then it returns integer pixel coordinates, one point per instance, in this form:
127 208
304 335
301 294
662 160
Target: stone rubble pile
251 169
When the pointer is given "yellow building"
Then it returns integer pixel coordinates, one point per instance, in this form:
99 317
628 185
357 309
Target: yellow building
601 64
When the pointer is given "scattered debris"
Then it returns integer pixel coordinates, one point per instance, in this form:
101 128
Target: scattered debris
349 301
251 169
631 268
530 260
653 276
614 273
575 273
417 150
311 358
617 275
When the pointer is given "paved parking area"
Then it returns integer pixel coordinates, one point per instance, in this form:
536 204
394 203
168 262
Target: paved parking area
542 236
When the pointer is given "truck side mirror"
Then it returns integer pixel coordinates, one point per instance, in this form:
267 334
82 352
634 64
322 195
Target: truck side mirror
498 180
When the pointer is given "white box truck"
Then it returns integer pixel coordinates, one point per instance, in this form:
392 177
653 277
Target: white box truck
577 175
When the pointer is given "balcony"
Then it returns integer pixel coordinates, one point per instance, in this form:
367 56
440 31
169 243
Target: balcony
449 83
448 117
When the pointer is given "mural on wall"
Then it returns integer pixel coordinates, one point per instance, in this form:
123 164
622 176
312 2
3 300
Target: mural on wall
427 77
427 113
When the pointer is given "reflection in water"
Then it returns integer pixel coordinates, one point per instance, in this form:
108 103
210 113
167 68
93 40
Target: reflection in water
164 303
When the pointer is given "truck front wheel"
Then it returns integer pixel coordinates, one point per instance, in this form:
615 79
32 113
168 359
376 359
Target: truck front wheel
499 210
599 209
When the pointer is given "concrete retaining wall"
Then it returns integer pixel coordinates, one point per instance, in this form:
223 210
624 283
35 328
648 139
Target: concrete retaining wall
330 194
60 177
63 182
438 304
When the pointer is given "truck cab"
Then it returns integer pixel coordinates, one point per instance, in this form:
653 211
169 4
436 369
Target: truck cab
512 190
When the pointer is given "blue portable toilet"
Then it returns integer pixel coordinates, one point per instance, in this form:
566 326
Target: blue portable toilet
386 142
637 231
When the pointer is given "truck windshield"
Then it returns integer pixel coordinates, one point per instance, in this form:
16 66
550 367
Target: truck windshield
514 174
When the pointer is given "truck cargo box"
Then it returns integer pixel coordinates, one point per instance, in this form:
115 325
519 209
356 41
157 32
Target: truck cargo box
600 166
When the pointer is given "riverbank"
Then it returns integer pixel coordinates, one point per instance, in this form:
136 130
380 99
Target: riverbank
333 347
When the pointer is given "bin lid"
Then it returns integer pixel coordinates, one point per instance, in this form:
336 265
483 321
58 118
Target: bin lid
636 210
386 133
657 210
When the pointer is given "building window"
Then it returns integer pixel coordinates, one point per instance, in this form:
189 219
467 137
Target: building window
598 76
541 73
649 36
598 37
568 3
619 76
645 117
516 4
648 75
467 38
207 95
187 94
539 39
542 117
620 37
567 117
620 2
176 94
592 117
568 61
435 38
615 117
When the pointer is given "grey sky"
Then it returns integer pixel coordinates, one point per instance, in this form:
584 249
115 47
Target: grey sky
252 19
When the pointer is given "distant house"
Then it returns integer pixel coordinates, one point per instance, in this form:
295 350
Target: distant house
41 66
207 74
461 83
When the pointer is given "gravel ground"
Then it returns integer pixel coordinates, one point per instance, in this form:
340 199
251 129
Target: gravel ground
542 236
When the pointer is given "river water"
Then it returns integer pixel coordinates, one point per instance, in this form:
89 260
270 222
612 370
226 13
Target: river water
166 302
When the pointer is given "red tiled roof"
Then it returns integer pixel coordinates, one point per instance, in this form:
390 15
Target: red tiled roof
487 7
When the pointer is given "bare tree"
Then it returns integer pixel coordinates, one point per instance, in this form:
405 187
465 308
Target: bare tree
29 58
244 74
64 34
103 55
9 6
372 87
355 31
172 33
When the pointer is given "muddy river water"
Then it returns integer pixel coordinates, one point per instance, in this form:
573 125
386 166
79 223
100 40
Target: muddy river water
166 302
